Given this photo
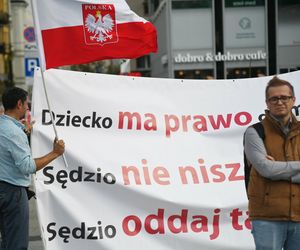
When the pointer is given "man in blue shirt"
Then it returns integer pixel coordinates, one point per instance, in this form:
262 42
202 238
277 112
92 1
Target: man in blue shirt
16 167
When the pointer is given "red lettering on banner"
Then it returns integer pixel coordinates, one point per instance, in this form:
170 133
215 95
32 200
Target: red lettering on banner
188 169
248 222
172 124
199 224
238 118
136 119
203 171
159 219
159 174
188 174
220 120
150 123
185 120
175 223
201 125
183 123
216 224
234 173
235 215
198 123
137 225
182 221
217 172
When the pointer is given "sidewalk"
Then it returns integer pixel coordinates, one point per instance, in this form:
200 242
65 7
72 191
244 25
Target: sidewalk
35 241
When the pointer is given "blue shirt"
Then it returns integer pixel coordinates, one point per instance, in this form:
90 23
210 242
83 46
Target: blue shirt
16 162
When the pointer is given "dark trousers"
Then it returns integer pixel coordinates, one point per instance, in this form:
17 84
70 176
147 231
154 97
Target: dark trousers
14 217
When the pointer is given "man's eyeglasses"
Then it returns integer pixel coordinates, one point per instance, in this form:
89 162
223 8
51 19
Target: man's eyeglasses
282 98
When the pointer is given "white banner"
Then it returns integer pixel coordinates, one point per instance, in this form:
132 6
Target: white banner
153 163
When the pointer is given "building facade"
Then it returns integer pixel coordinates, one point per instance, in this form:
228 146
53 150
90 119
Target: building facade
225 39
5 66
14 34
17 12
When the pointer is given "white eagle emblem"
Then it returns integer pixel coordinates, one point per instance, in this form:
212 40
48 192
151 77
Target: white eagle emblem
101 28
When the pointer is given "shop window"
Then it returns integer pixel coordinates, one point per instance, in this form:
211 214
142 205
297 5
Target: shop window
286 70
288 25
283 70
194 74
235 73
287 2
143 62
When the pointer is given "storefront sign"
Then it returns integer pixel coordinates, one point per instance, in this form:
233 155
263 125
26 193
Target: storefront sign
244 3
227 57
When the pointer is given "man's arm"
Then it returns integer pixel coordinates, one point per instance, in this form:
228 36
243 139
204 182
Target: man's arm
58 149
275 170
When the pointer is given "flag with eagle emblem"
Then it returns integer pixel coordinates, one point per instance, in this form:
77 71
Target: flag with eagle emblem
81 31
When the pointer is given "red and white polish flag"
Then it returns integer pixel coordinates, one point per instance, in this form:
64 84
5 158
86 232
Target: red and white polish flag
81 31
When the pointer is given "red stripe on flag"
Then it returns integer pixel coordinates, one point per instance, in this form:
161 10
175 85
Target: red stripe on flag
67 46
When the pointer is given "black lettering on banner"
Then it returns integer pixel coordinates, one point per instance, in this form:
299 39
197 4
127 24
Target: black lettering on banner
96 120
97 232
64 232
51 231
91 235
76 121
68 119
84 122
89 177
64 177
60 120
107 122
51 177
79 232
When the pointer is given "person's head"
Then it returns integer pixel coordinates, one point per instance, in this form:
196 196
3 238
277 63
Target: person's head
15 100
280 97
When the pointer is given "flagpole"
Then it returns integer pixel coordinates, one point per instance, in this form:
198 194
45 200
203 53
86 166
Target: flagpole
42 64
51 115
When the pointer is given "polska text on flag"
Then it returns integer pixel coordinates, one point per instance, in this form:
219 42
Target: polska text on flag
80 31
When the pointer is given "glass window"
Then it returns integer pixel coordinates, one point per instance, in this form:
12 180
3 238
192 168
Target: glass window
192 25
143 62
288 22
244 24
235 73
245 36
194 74
288 34
283 70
